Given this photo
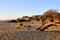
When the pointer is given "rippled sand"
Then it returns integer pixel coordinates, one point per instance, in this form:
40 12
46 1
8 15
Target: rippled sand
29 35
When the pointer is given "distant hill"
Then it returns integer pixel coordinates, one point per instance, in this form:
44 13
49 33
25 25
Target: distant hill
12 21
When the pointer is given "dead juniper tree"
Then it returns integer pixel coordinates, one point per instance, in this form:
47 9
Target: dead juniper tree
49 18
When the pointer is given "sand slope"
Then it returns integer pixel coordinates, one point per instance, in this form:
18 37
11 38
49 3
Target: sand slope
8 31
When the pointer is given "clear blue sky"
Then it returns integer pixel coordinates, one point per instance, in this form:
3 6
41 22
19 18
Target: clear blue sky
10 9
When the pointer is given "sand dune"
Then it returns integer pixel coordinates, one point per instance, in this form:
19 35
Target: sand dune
8 31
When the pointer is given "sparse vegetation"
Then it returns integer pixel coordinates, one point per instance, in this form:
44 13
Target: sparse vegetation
49 17
28 19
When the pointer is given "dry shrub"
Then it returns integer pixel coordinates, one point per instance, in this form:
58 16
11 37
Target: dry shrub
51 14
